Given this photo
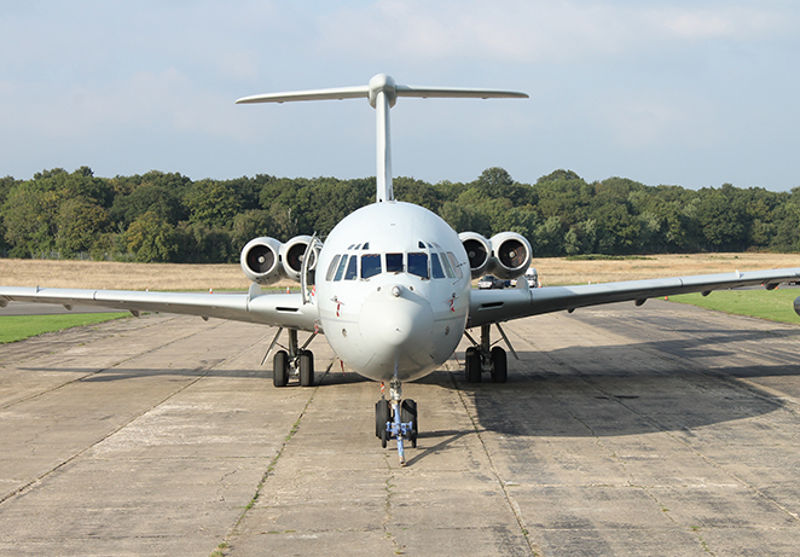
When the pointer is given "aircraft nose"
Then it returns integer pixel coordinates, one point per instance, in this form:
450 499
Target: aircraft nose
397 317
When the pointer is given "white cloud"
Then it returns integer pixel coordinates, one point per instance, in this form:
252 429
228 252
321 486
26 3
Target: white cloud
530 31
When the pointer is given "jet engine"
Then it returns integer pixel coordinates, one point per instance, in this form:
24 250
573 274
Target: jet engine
511 255
506 255
294 251
266 260
260 260
479 252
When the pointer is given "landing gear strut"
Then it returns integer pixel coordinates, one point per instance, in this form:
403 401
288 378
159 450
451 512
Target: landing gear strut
483 357
396 419
292 361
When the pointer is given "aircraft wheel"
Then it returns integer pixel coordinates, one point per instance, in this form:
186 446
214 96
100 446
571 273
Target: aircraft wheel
280 368
499 365
382 415
306 360
408 413
472 365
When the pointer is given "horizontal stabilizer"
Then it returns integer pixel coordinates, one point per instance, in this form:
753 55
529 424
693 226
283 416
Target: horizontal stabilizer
339 93
455 92
382 93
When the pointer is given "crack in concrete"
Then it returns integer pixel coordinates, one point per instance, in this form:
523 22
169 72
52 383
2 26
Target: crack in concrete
29 485
227 544
510 502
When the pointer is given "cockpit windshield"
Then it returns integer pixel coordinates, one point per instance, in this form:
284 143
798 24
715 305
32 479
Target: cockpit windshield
418 264
370 265
394 263
428 264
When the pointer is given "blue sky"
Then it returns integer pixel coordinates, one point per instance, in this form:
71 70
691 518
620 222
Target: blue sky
690 93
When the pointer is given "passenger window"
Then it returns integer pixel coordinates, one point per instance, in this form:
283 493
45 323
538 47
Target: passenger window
332 268
418 264
341 267
448 269
350 274
436 267
370 265
454 263
394 262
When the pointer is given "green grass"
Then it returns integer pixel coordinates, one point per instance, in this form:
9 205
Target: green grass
19 327
775 305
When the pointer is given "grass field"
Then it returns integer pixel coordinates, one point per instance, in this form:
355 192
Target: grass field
775 305
18 327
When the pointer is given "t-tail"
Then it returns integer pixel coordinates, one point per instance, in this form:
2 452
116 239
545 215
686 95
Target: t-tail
382 93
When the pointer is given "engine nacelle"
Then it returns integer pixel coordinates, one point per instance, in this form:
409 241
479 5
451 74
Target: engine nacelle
479 252
511 255
260 260
294 251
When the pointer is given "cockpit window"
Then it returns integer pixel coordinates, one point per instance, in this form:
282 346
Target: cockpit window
370 265
394 262
365 246
454 262
332 267
350 273
418 264
436 267
340 269
448 269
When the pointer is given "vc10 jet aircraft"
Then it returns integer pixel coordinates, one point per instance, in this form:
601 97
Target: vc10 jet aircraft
392 283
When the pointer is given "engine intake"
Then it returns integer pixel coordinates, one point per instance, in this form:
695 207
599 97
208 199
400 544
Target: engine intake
260 260
479 252
294 252
511 255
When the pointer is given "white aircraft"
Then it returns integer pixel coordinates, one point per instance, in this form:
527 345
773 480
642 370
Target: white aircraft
392 291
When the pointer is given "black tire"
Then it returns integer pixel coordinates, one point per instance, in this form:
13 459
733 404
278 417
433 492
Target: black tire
306 361
382 415
499 365
472 365
280 368
408 413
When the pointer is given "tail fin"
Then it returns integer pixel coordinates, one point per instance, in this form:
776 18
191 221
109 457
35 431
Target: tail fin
382 93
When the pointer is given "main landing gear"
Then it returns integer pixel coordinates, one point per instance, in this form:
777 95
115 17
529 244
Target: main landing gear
483 357
396 420
292 361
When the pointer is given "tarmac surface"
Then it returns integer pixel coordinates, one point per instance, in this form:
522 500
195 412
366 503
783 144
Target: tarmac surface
664 429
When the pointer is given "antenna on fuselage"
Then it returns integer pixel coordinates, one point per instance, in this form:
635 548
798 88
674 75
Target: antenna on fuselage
382 93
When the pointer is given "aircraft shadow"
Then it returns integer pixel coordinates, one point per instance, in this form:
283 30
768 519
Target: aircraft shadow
672 385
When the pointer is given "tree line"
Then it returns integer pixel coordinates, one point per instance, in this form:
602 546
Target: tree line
167 217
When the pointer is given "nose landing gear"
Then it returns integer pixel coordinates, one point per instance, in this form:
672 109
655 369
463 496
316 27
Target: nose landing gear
396 420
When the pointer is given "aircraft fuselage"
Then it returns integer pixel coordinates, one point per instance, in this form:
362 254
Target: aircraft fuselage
392 288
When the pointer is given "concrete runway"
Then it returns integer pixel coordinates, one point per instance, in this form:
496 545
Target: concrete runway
660 430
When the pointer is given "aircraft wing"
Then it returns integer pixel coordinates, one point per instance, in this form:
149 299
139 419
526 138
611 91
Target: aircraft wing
491 306
283 310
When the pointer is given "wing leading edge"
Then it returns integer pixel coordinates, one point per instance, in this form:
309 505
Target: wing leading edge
491 306
284 310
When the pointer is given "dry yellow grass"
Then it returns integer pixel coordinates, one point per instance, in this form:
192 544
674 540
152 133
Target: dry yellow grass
558 270
552 270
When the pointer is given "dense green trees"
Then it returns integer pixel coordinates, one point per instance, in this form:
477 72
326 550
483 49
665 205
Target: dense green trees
161 216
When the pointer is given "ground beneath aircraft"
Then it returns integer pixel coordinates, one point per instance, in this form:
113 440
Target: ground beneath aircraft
659 430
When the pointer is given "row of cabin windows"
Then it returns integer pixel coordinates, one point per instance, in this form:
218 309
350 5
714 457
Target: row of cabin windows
442 265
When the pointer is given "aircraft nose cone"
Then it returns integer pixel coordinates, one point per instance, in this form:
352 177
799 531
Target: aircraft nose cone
396 317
